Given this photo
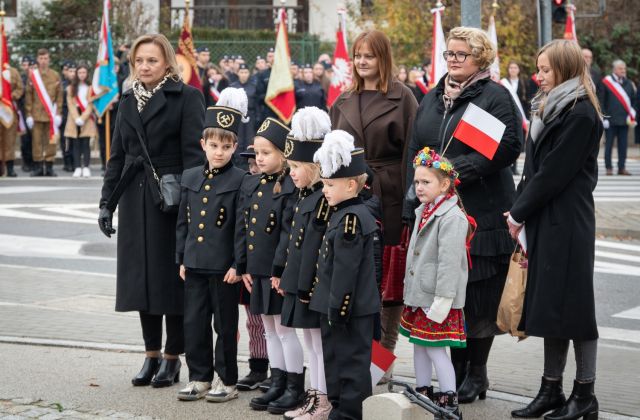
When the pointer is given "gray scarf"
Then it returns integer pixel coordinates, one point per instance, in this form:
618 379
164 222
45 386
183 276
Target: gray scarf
546 107
143 95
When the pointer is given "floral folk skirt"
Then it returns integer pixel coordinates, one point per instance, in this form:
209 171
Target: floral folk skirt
420 330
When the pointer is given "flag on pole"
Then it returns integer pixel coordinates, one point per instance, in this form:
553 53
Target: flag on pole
438 47
280 96
480 130
186 55
104 86
6 102
381 360
341 78
493 37
570 25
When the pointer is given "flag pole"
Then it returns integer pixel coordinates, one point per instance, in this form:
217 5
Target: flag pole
495 6
107 133
4 139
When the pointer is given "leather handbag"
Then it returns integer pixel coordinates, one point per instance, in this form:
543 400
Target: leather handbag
394 262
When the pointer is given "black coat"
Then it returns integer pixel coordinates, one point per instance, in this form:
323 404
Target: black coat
247 131
555 200
310 94
172 121
611 106
487 189
206 90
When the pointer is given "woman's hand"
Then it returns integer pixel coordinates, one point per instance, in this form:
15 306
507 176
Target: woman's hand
275 284
514 229
183 272
230 277
248 281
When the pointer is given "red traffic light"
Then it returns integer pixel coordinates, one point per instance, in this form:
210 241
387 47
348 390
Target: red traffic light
559 2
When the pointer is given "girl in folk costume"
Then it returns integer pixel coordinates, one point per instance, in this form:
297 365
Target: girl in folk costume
262 236
80 122
436 277
308 128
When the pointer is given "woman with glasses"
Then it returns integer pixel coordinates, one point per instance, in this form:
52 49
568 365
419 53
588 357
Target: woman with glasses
487 189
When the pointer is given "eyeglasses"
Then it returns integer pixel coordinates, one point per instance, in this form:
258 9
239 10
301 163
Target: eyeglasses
459 55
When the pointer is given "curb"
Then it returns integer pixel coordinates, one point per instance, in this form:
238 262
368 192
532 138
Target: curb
619 233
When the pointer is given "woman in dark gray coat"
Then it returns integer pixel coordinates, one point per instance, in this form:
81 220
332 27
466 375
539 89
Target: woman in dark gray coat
555 206
169 116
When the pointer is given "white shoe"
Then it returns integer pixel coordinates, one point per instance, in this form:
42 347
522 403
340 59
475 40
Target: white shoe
194 391
77 173
86 172
221 392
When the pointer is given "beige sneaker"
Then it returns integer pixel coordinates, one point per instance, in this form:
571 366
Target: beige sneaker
221 392
310 400
194 391
320 411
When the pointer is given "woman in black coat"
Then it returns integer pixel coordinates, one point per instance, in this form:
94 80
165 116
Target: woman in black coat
555 206
487 189
169 116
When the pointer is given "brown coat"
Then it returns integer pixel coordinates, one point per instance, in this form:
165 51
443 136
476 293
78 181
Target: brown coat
384 132
89 129
32 105
17 88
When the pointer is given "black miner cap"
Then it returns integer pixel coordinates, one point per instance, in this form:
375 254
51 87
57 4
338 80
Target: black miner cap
356 167
222 117
274 131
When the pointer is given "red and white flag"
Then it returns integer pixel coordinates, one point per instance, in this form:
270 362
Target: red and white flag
422 85
280 95
186 54
7 114
381 360
215 93
480 130
438 47
493 37
570 25
621 95
341 78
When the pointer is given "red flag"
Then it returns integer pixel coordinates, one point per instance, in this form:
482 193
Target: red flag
6 102
186 55
341 78
570 26
381 360
480 130
280 95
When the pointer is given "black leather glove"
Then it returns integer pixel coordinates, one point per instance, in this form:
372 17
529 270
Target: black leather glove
105 219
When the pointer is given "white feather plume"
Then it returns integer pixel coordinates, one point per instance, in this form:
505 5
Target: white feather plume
335 152
235 98
310 123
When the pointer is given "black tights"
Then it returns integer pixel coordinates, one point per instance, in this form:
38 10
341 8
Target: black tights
81 147
476 352
152 333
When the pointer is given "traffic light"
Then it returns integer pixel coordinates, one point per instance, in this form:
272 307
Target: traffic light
558 11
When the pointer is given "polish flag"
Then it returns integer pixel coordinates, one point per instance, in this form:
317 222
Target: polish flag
381 360
438 47
422 86
341 78
493 37
480 130
280 95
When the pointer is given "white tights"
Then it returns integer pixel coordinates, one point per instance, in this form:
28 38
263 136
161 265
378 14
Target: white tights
313 342
283 346
423 357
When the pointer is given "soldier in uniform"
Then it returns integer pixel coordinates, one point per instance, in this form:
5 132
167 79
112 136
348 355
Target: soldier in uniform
309 92
8 134
44 146
345 291
247 129
205 228
204 57
26 149
69 71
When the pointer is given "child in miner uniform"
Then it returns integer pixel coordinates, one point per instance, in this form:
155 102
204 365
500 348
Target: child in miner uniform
204 236
345 292
262 236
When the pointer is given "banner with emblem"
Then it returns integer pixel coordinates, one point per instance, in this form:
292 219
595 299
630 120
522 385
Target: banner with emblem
280 96
186 53
7 114
104 86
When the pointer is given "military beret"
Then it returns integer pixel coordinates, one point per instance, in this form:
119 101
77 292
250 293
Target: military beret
243 66
274 131
202 49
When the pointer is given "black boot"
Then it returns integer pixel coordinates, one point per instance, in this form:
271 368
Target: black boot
68 164
37 169
168 373
48 169
549 398
265 385
149 368
257 373
427 391
449 402
10 171
474 385
581 403
277 388
293 396
460 369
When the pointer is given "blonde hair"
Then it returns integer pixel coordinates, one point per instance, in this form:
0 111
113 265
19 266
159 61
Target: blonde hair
482 50
167 52
360 181
567 62
311 169
380 46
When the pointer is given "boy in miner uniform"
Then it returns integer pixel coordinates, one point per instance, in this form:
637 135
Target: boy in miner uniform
43 106
345 290
204 248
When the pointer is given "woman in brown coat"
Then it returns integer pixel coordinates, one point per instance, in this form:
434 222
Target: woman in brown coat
379 112
80 123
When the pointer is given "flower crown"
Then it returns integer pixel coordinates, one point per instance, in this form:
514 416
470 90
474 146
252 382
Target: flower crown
429 158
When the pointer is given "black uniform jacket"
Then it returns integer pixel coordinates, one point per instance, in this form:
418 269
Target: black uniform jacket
205 229
263 223
310 218
310 94
346 283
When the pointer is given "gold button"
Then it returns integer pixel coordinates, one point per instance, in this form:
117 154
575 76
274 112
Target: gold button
301 230
290 236
221 210
299 238
263 181
221 217
259 193
346 298
210 176
219 223
253 220
344 308
255 207
250 247
202 213
205 200
296 209
310 294
293 223
272 223
268 229
343 313
298 244
252 233
200 239
207 187
201 225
